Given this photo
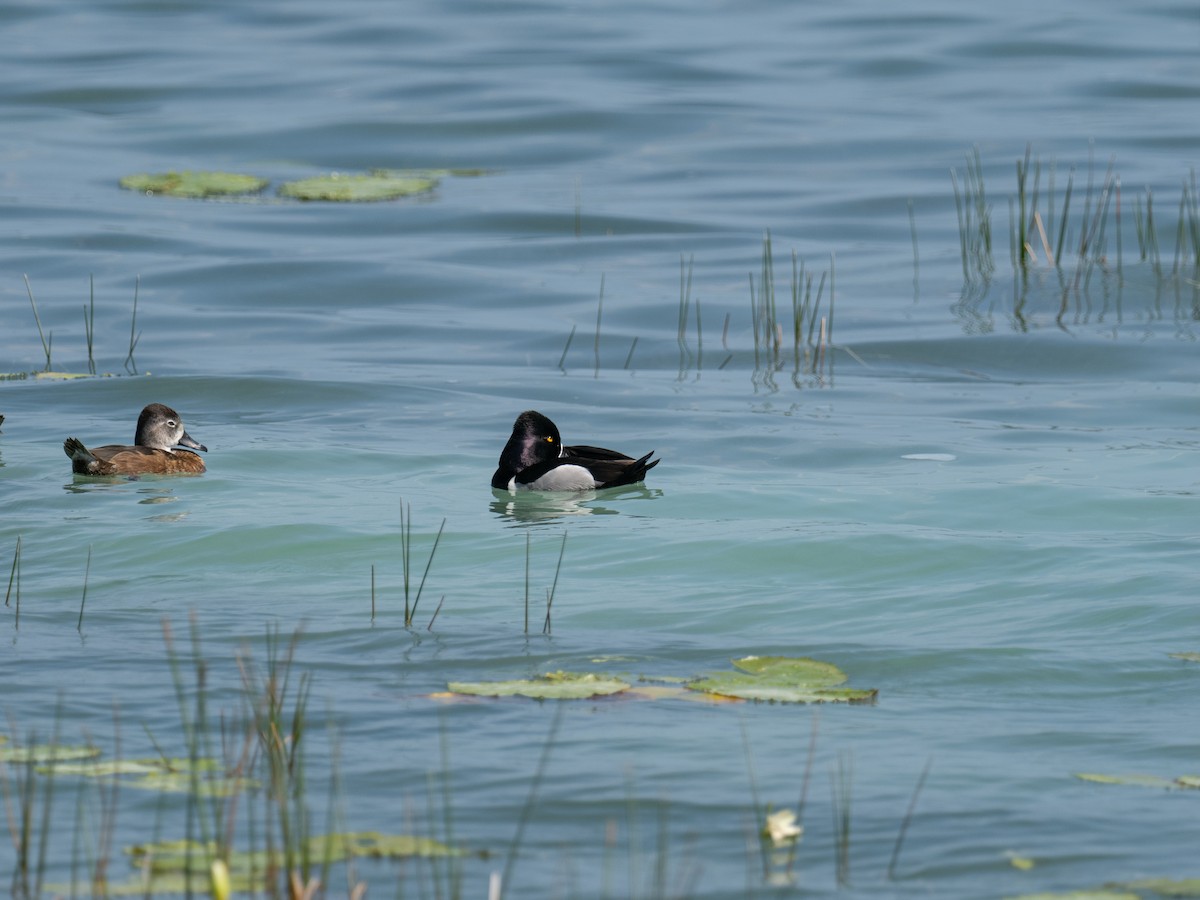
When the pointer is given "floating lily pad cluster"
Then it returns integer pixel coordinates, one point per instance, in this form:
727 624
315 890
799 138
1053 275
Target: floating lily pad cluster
777 679
202 777
1131 890
177 867
1181 782
338 187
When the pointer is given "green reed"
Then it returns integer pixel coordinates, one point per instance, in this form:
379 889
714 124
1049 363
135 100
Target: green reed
46 340
974 220
546 627
134 334
563 358
1096 235
27 814
907 820
841 782
89 324
14 580
406 530
501 881
83 600
193 722
685 305
278 714
811 331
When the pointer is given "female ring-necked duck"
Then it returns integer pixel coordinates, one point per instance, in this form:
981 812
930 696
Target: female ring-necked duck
159 432
534 459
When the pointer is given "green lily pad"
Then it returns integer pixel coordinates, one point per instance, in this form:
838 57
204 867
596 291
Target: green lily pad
794 670
1080 895
372 187
114 767
176 776
177 857
194 184
46 753
782 679
187 783
1138 780
1165 887
551 686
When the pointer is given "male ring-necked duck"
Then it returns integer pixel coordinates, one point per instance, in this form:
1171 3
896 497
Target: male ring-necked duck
534 459
159 432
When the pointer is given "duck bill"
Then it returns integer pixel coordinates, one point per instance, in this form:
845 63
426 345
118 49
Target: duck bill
191 443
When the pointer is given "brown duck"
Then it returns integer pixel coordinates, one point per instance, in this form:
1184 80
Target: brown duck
154 451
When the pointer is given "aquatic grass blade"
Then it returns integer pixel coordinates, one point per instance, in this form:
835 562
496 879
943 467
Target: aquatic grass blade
46 342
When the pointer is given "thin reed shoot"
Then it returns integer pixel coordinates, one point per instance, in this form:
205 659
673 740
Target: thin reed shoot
89 324
685 304
47 340
907 820
514 847
563 358
409 614
14 581
29 826
546 626
974 220
841 782
134 334
83 601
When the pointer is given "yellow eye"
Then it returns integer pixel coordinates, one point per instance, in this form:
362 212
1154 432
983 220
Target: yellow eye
549 439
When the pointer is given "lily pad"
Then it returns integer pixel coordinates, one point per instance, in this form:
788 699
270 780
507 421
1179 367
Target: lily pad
186 783
371 187
1080 895
46 753
176 857
551 686
109 768
796 670
1135 779
782 679
176 776
194 184
1165 887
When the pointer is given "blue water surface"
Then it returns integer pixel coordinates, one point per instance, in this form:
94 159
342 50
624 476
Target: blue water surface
976 494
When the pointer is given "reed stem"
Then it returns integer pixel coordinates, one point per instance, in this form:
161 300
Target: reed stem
86 571
134 334
908 816
46 342
89 323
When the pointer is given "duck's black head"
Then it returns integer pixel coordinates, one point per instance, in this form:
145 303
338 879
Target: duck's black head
535 439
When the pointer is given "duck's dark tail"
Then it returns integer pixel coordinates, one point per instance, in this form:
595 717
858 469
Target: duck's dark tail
631 472
75 449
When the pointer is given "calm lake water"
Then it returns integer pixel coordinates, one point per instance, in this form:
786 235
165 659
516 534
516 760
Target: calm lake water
980 501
